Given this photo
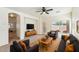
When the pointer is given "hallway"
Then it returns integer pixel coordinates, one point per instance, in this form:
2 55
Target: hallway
13 36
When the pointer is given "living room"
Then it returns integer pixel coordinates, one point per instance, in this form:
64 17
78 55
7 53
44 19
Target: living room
35 25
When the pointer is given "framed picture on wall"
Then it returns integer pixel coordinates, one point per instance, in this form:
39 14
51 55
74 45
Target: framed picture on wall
77 26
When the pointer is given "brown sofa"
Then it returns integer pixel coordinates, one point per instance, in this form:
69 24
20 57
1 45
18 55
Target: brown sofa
30 33
73 46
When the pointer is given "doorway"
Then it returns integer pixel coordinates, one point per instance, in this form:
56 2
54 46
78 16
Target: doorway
14 22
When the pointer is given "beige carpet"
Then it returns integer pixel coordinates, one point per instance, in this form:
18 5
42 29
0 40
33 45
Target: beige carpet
5 48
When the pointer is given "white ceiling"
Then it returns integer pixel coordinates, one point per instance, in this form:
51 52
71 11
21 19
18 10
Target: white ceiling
32 10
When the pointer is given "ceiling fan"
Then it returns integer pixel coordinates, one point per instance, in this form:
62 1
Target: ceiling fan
44 10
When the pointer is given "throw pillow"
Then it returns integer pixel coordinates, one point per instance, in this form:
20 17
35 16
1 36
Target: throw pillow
27 43
23 45
17 47
66 37
69 48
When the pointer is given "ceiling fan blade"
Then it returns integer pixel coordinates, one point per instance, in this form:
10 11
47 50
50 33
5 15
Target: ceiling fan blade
49 9
46 12
38 11
41 13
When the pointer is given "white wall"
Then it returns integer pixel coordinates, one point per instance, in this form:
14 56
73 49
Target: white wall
36 22
4 24
48 20
75 17
31 21
64 18
18 25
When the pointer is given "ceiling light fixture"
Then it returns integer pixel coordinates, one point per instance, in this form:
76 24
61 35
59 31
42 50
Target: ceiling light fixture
11 15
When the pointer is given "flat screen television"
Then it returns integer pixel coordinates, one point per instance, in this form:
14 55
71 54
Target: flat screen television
30 26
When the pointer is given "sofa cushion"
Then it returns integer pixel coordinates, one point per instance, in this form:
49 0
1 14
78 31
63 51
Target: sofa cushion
12 48
76 46
17 47
73 38
65 37
43 39
27 43
34 48
62 46
23 45
69 48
